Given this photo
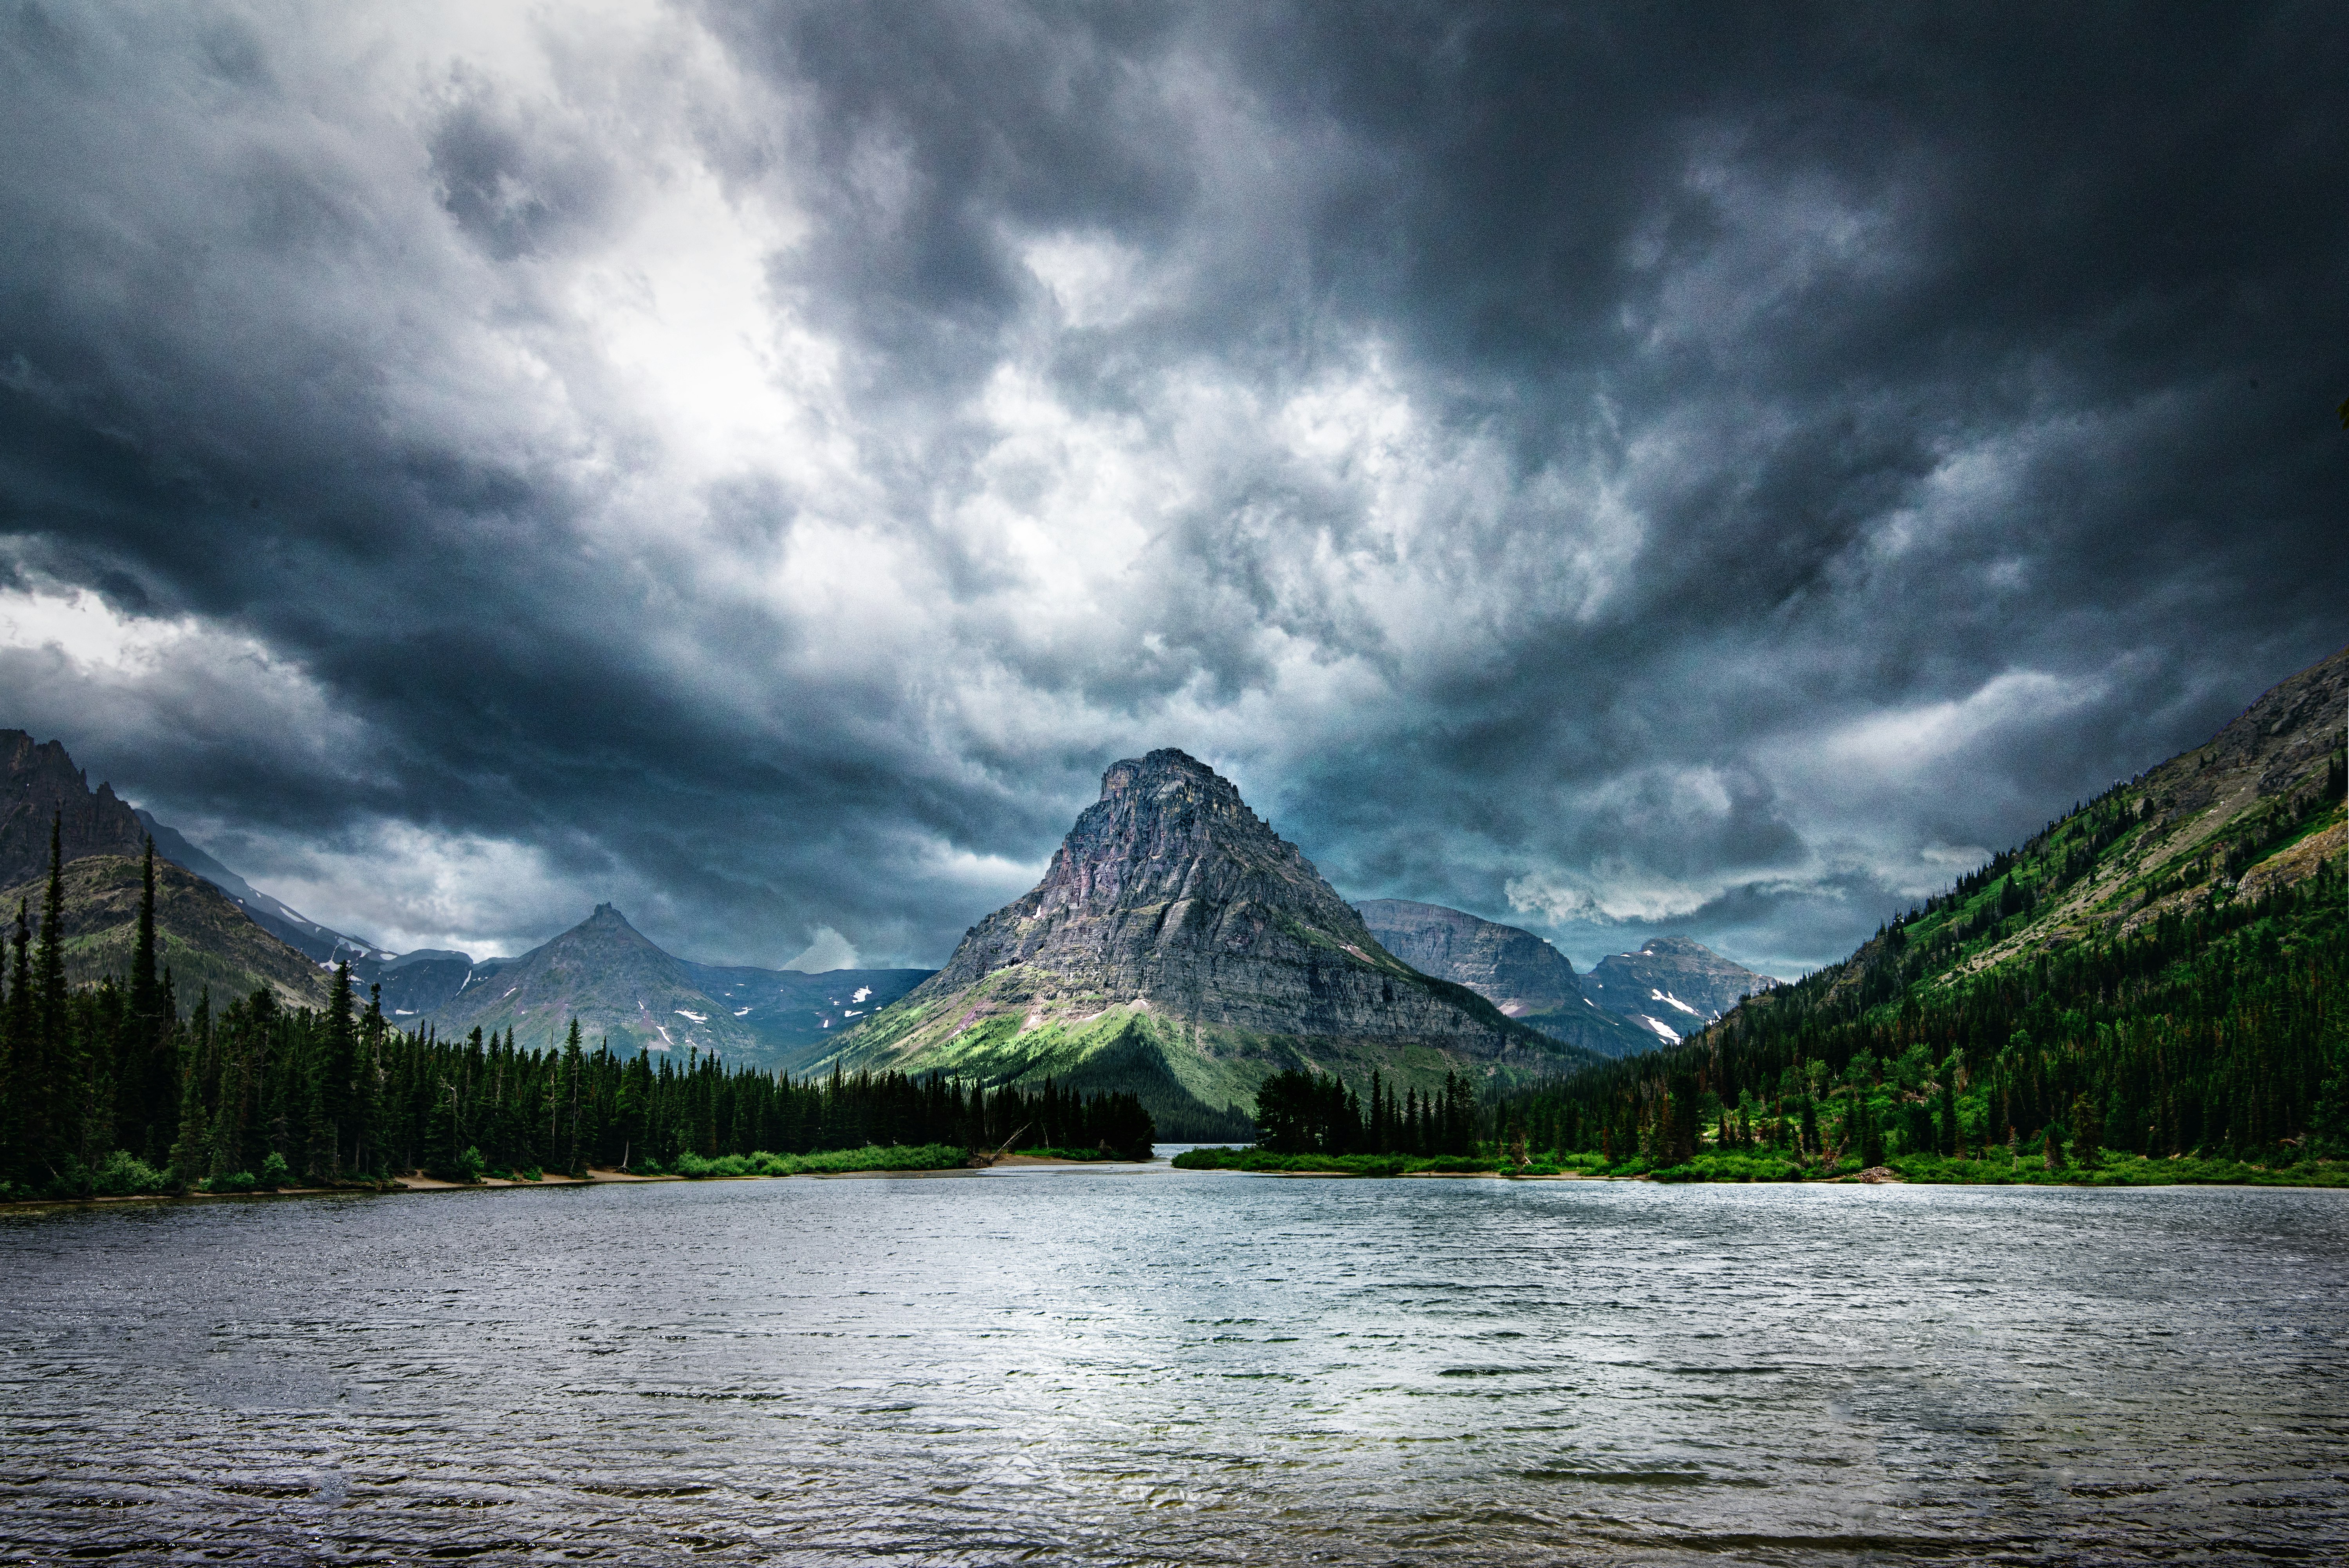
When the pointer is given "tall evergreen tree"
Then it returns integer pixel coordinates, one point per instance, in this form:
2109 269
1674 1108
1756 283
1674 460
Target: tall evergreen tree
52 1082
573 1068
331 1133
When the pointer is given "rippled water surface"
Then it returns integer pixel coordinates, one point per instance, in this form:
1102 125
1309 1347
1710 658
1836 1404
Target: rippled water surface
1153 1366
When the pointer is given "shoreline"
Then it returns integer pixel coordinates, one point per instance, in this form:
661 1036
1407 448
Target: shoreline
596 1176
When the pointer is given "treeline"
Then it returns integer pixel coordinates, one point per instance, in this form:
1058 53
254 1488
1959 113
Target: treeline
110 1088
1298 1111
2219 1032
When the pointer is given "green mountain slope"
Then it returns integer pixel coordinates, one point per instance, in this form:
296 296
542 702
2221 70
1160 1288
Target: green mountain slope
203 938
1178 950
2163 970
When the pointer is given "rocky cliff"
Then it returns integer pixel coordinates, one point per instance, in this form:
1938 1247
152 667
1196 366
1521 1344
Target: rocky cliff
1524 976
41 783
1180 948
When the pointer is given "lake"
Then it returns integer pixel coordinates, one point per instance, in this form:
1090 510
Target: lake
1147 1365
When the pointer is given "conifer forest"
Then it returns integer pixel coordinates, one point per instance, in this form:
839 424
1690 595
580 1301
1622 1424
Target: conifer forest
125 1087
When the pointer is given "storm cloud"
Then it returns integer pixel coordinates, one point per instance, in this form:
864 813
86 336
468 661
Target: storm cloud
1613 470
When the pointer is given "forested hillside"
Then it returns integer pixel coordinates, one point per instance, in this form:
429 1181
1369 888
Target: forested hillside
2157 975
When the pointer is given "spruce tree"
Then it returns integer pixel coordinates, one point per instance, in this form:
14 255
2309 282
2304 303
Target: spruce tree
2087 1133
53 1079
573 1068
331 1132
11 1085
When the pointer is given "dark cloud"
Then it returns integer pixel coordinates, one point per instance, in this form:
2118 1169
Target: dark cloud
1687 469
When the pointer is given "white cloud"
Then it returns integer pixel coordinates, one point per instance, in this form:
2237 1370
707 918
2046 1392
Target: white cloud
829 950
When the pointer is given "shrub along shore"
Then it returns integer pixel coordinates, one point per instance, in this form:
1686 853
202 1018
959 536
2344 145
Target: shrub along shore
1995 1168
125 1178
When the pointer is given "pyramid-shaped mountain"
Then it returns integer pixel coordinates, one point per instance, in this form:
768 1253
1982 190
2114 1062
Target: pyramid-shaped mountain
1178 948
609 976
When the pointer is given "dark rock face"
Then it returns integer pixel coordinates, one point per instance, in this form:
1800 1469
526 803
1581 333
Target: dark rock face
1170 892
1515 969
42 781
1671 985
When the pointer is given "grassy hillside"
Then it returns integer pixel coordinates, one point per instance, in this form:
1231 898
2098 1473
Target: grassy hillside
201 937
2162 973
1197 1080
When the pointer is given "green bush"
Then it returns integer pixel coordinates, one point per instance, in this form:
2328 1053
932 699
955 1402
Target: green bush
242 1181
125 1174
275 1173
899 1156
465 1170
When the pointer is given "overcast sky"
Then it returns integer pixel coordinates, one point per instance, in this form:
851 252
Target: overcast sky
1616 470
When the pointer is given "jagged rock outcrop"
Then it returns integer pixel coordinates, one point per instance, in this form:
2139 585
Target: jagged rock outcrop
1179 947
1671 986
1524 976
42 784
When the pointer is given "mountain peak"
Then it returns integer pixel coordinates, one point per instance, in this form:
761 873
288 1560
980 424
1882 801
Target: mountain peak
1672 985
1176 942
38 782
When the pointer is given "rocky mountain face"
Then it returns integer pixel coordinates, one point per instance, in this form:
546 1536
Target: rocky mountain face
1671 987
204 938
1179 948
610 976
1524 976
41 783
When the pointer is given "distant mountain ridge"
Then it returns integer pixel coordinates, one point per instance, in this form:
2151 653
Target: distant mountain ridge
625 987
1526 978
1178 948
272 915
2159 972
